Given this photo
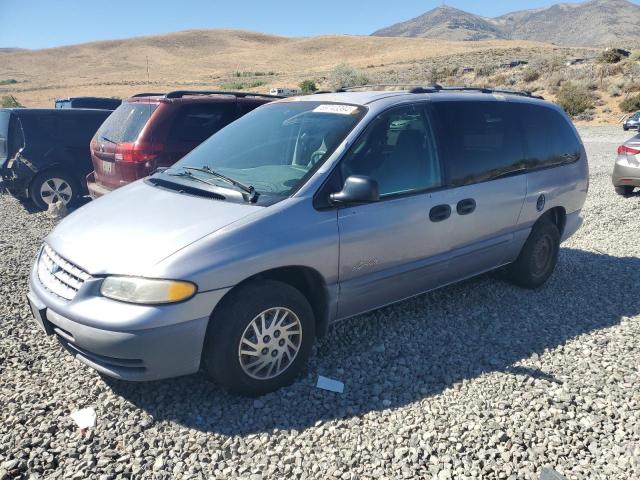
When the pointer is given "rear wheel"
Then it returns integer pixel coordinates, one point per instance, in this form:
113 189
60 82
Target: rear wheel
625 190
538 257
54 186
260 338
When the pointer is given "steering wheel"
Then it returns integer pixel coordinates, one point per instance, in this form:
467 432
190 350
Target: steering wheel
316 157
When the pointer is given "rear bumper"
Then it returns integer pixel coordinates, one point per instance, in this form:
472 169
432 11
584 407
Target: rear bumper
95 189
626 173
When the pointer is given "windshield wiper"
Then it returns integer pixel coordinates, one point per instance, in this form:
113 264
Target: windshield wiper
251 192
190 175
108 140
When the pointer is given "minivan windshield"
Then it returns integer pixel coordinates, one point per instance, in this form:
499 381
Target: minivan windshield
276 147
126 122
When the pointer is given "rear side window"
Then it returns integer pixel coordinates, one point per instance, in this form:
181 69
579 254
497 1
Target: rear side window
549 139
195 123
77 128
479 140
126 122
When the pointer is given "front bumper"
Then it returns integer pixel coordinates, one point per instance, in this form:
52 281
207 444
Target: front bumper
16 184
125 341
626 173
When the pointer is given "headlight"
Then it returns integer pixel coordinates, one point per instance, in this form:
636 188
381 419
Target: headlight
147 291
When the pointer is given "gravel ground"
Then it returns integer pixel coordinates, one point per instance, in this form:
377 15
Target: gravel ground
478 380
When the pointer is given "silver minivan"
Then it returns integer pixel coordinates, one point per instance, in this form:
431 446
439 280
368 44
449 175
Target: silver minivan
304 212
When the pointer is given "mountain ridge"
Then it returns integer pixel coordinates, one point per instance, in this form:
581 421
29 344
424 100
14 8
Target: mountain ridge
595 23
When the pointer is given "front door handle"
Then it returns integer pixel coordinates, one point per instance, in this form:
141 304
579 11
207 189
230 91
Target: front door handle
466 206
440 213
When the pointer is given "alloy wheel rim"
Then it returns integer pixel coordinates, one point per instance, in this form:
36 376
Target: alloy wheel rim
270 343
54 190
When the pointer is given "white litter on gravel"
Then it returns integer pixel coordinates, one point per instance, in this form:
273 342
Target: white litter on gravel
330 384
84 418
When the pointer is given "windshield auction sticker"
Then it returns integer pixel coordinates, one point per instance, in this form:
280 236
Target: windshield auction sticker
333 108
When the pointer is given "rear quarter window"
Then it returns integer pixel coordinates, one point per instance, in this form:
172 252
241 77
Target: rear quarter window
479 140
195 123
78 128
549 138
126 122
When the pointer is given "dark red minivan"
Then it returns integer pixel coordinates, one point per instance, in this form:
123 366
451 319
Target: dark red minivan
152 130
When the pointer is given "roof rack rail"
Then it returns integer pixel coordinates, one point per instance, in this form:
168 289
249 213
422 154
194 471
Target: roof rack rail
420 88
182 93
147 95
492 90
439 88
388 85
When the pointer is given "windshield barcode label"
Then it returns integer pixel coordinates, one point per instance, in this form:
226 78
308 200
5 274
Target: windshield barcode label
339 109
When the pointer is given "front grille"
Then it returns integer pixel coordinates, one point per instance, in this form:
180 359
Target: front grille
59 276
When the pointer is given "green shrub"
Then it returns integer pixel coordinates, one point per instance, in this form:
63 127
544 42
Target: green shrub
9 101
609 56
9 81
530 75
574 99
614 90
485 70
345 75
241 85
630 104
308 86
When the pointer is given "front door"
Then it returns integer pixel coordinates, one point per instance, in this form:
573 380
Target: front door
397 247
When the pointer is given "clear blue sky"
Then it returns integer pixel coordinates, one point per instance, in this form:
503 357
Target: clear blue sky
51 23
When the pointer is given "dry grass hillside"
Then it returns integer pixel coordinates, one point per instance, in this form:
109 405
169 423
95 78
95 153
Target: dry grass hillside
232 59
212 58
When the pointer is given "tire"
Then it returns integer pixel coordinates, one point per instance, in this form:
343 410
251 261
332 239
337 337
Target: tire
538 257
61 186
625 190
222 359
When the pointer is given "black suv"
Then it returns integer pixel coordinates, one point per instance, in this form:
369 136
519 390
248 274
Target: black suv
102 103
44 153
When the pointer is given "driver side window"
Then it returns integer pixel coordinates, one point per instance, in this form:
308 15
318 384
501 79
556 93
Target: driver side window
397 151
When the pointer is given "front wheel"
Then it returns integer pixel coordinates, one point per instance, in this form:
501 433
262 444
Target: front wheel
52 186
538 257
260 338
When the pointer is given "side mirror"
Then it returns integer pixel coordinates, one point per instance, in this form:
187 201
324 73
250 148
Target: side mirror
356 189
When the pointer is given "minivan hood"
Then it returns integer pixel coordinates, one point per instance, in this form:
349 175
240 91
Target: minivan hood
133 228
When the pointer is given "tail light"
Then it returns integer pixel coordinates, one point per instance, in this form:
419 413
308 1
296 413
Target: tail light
137 152
625 150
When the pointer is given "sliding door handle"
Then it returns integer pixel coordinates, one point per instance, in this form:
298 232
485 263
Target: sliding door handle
466 206
439 213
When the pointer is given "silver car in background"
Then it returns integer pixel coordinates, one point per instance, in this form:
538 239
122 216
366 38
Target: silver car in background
304 212
632 123
626 171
